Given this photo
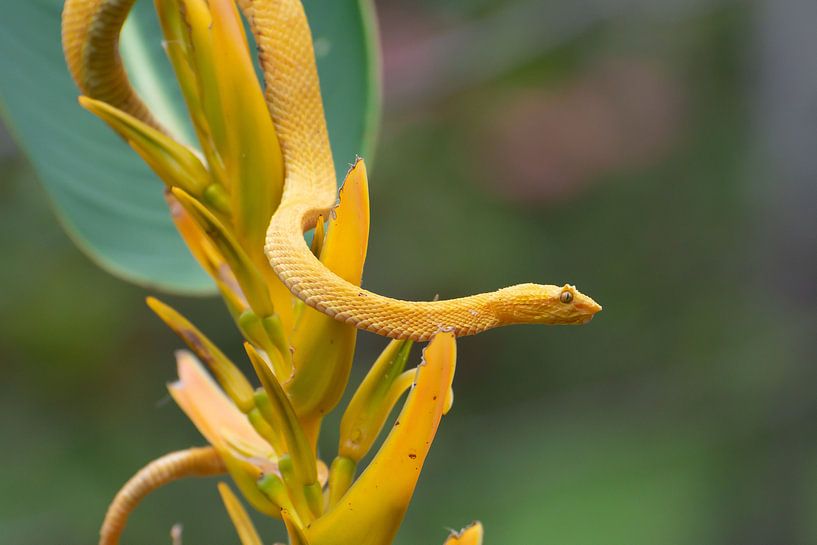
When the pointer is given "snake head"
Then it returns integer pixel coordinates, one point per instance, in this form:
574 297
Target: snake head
543 304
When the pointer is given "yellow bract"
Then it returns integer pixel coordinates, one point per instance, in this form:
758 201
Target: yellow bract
323 347
173 163
367 412
208 49
371 511
232 380
278 411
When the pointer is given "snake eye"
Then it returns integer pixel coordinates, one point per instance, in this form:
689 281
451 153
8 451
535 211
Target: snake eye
566 297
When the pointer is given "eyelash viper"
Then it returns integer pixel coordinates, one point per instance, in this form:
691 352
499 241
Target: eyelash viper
90 40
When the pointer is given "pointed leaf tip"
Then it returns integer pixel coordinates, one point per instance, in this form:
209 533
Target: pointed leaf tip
247 533
470 535
173 162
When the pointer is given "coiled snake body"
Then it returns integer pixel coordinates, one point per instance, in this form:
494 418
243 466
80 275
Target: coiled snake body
90 40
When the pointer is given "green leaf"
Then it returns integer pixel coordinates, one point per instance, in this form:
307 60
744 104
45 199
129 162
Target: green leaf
348 55
106 198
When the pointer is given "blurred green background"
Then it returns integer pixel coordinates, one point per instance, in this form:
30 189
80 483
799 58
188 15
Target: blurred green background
658 154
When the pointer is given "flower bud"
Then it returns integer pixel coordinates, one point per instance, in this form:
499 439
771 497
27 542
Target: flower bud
278 412
374 400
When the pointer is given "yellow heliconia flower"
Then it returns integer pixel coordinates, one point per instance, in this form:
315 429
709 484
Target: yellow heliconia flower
221 197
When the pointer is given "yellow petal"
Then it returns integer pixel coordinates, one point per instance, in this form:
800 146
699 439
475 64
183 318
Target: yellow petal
371 512
247 533
359 431
307 501
246 475
470 535
341 477
209 409
195 53
232 380
323 347
260 324
220 422
344 252
252 156
192 222
270 435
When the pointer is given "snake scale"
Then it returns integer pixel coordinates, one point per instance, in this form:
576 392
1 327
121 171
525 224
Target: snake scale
90 41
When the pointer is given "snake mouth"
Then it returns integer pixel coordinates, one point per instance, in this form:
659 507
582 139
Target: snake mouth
588 309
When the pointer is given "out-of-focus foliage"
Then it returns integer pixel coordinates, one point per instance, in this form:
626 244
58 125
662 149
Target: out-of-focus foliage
106 198
684 413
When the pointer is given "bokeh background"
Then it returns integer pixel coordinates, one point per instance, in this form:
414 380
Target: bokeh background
660 154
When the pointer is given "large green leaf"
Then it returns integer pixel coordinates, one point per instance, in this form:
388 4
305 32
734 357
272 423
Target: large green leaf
107 199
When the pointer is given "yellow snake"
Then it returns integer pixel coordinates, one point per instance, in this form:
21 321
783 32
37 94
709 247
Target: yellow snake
90 41
194 462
